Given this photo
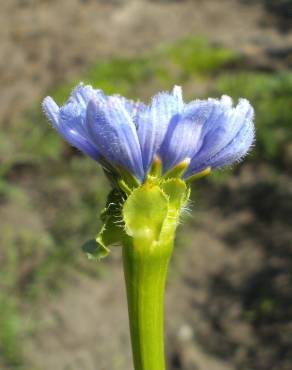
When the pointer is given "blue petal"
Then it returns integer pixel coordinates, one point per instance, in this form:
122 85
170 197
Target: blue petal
80 142
51 110
131 106
184 133
70 128
82 94
221 129
237 148
153 120
114 134
73 113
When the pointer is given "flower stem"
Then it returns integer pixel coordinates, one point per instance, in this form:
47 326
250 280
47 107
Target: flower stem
145 271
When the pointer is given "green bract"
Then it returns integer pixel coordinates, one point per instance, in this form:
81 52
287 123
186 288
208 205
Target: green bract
148 214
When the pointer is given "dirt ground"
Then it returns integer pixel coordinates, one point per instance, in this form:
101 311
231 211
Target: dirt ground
209 294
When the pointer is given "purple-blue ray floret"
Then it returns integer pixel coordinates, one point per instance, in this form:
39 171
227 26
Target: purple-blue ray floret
112 130
209 133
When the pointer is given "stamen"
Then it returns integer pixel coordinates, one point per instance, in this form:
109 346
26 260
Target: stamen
178 170
199 175
156 167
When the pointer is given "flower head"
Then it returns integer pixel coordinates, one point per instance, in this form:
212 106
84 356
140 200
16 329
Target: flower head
120 133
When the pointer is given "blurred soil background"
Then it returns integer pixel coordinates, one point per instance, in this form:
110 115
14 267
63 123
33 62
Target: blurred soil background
229 294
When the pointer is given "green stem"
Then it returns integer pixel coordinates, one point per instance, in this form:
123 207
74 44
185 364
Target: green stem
145 271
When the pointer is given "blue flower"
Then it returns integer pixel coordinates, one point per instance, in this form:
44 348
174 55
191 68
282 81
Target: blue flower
112 129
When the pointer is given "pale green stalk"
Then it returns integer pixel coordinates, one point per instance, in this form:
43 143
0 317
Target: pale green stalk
145 274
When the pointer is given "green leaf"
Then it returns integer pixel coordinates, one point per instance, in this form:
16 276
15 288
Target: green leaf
112 231
115 200
144 212
95 250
